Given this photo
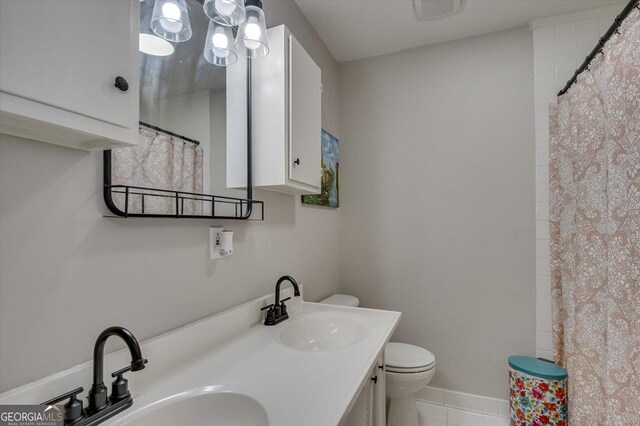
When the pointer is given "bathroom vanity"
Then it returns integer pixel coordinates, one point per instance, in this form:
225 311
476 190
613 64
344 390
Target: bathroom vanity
321 367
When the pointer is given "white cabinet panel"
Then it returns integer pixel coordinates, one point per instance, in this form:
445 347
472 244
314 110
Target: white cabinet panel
286 117
236 117
369 407
305 113
362 412
58 63
380 395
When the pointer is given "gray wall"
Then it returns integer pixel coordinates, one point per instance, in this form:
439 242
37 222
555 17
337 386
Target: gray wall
66 272
437 200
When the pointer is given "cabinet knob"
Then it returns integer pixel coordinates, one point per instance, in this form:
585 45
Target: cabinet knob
297 162
122 84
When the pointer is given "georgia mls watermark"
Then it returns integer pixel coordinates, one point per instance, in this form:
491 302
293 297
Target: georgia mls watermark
31 415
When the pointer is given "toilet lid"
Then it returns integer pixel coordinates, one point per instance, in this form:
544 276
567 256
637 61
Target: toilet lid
342 300
405 357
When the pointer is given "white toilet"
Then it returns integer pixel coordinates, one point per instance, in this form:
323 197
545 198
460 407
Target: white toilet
408 369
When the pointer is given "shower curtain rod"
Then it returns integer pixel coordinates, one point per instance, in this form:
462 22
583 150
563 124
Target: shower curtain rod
598 49
167 132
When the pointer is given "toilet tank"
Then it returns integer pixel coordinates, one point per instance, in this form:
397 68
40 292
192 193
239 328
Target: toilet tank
342 300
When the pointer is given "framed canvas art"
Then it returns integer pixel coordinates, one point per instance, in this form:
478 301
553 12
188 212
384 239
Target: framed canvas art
329 197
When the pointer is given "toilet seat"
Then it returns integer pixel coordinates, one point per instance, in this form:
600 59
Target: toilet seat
391 369
405 358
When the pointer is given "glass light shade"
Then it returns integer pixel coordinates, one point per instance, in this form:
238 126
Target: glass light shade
252 34
170 20
218 48
225 12
151 44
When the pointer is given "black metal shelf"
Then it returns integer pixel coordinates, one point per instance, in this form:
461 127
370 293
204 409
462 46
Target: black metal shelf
121 199
138 201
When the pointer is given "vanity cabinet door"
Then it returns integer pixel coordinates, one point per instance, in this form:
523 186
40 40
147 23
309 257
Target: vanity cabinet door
380 395
369 408
59 61
305 116
362 412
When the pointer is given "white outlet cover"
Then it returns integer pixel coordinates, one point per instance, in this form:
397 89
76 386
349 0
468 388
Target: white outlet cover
214 233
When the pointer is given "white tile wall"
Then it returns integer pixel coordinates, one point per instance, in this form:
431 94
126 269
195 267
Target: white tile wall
560 44
440 407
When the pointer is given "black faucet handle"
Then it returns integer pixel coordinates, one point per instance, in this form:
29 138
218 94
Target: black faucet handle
271 313
283 307
120 386
60 398
125 370
73 409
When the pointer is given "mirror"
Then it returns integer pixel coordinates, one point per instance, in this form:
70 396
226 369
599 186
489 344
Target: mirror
184 101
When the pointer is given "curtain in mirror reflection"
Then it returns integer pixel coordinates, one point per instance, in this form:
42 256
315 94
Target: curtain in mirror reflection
158 161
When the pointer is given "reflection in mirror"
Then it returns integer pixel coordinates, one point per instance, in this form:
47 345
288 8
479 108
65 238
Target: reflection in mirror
184 100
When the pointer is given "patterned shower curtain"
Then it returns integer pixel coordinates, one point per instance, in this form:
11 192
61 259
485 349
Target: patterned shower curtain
162 162
595 234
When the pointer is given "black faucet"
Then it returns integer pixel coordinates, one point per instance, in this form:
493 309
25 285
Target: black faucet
98 400
102 407
278 311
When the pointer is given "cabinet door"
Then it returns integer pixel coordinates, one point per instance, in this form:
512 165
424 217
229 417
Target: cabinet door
379 395
68 53
362 412
305 101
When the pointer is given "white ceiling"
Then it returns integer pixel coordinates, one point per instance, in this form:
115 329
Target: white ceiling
355 29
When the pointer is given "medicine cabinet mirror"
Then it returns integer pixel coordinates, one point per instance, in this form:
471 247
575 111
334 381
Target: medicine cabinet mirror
191 113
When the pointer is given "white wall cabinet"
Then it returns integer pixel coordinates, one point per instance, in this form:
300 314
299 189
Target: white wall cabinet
286 119
59 60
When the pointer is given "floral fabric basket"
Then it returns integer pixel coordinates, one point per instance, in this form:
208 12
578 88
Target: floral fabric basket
537 398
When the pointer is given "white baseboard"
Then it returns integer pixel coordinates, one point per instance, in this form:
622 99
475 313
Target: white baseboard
441 407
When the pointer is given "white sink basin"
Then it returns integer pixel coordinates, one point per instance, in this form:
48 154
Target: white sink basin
208 409
324 331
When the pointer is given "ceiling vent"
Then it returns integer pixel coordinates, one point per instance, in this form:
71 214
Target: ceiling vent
427 10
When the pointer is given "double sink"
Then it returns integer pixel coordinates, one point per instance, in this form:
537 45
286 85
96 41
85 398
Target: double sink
229 369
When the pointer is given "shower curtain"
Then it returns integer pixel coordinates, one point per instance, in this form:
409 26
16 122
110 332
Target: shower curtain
162 162
595 234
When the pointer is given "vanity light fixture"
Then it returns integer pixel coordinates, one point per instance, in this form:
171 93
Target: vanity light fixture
252 32
170 20
225 12
218 48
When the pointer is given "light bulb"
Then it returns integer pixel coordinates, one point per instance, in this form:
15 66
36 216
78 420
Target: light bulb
171 13
225 7
252 33
220 40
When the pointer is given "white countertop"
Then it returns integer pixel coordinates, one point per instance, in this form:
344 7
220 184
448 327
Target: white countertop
233 351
